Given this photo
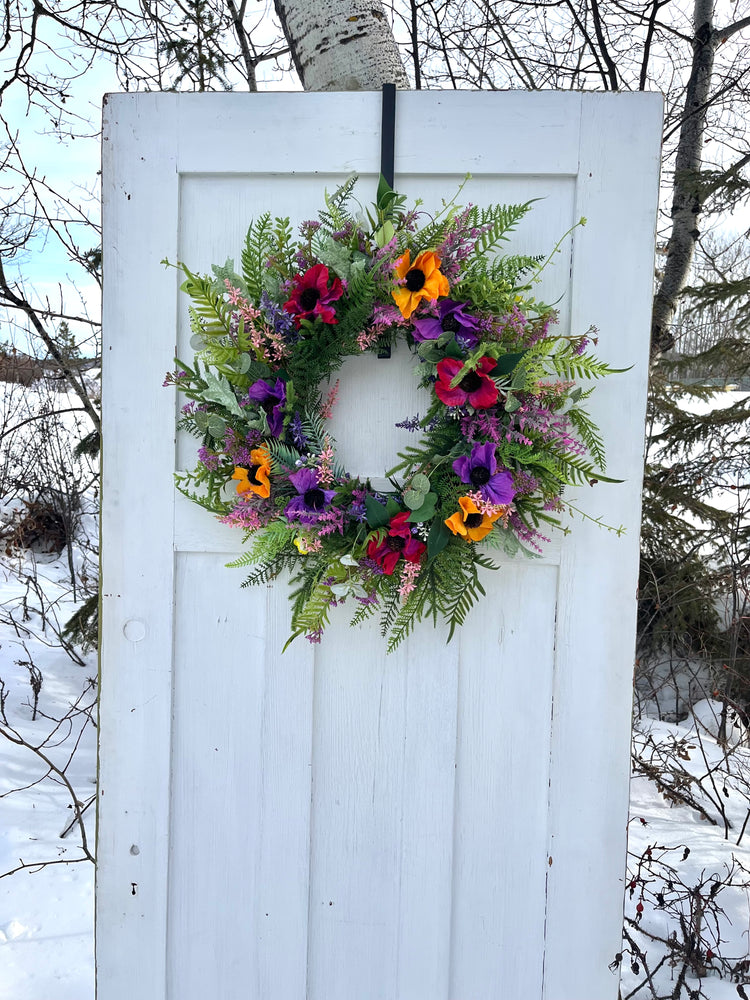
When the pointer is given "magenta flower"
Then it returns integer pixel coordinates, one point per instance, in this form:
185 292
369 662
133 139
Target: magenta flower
451 319
311 296
480 469
398 543
476 387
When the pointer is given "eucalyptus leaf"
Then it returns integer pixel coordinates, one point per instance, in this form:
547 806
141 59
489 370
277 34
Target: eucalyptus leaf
243 363
413 499
420 483
512 403
216 426
426 511
201 420
197 343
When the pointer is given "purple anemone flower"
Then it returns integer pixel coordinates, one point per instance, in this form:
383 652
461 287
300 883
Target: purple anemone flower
480 469
271 400
451 319
311 498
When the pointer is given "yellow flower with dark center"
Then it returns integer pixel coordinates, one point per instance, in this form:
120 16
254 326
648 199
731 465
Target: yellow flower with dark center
422 280
254 478
469 522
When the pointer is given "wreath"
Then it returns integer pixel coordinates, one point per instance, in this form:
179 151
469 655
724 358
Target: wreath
504 433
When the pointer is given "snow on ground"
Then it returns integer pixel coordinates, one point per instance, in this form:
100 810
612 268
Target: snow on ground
689 860
46 913
689 847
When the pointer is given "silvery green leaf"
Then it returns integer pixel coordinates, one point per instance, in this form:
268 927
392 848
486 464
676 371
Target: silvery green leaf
512 403
348 560
426 510
201 420
218 390
420 483
413 499
335 256
243 363
216 426
227 273
272 284
197 343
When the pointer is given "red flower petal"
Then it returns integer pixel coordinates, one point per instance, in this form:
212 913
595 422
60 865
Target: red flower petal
485 395
448 368
451 397
413 550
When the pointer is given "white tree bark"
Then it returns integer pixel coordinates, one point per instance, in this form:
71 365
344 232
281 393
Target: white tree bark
341 44
687 202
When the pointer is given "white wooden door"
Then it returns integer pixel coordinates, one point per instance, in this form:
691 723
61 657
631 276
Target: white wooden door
447 823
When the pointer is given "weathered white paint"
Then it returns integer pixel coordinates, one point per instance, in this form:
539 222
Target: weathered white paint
330 824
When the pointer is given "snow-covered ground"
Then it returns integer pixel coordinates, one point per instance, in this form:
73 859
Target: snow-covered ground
46 911
689 845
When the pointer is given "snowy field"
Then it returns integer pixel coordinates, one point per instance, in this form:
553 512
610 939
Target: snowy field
687 889
46 910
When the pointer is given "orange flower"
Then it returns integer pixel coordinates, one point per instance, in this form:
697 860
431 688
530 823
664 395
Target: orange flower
254 478
421 280
469 522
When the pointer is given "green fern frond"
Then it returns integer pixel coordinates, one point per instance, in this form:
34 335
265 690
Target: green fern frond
590 435
259 245
334 216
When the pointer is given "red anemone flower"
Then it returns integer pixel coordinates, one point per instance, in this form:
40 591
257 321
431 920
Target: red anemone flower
476 388
398 543
312 297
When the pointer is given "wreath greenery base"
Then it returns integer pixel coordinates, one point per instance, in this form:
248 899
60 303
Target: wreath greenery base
505 432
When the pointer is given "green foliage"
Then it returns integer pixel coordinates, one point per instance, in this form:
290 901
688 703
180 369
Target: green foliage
267 546
411 554
259 245
82 628
695 537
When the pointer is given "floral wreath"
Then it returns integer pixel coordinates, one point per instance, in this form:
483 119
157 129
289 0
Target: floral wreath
505 431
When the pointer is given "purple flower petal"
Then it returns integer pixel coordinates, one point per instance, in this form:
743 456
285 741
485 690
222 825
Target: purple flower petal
428 328
499 489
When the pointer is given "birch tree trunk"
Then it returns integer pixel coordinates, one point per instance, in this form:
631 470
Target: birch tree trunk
688 197
341 44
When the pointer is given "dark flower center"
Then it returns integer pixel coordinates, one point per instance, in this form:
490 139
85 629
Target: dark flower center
395 543
415 279
252 475
470 382
450 324
315 499
308 298
473 520
268 404
479 475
